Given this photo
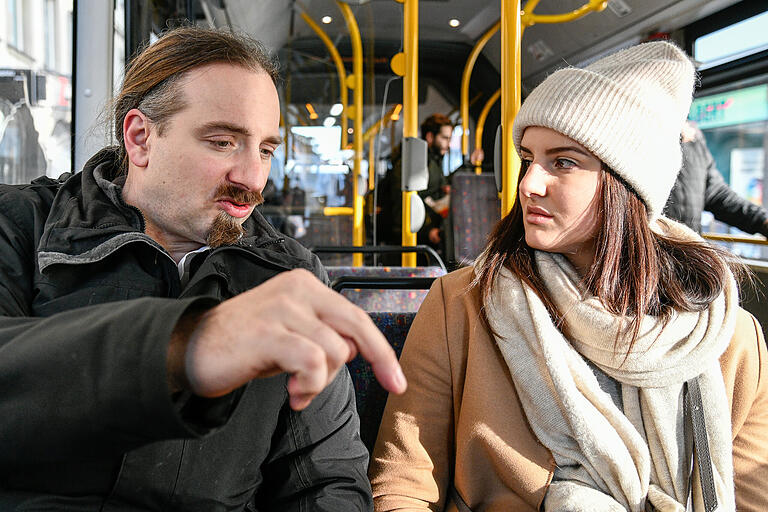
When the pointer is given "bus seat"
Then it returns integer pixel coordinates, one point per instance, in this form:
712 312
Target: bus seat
475 207
371 397
391 300
333 230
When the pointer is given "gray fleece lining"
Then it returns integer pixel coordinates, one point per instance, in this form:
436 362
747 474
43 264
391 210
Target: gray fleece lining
113 189
101 251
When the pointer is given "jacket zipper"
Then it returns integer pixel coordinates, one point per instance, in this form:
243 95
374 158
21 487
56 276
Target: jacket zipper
276 241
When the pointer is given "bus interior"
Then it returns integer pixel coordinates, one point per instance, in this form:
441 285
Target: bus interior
359 76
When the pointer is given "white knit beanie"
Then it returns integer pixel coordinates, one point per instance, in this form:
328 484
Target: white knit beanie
628 109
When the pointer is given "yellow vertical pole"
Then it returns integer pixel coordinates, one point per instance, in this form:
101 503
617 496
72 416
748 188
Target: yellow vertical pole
356 83
466 74
339 70
287 125
511 34
410 110
480 127
371 164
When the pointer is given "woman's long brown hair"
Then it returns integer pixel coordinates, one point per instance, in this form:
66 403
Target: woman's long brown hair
636 271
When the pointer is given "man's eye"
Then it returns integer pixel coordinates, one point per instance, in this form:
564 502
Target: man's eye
222 144
267 153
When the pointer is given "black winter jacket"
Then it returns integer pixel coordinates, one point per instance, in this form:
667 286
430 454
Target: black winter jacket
87 306
700 186
391 201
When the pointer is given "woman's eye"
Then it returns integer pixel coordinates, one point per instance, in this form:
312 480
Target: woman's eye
564 163
525 163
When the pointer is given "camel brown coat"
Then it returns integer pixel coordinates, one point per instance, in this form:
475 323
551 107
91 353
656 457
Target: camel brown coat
460 423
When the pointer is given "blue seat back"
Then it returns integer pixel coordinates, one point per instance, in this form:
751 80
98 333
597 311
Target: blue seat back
371 397
475 209
385 300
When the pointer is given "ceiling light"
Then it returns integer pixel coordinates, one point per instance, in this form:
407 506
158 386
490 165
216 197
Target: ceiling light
337 109
329 121
454 22
326 19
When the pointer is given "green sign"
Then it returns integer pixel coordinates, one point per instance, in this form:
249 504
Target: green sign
739 106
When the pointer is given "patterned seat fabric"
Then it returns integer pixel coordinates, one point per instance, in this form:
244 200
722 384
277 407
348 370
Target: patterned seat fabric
475 209
371 397
385 300
323 230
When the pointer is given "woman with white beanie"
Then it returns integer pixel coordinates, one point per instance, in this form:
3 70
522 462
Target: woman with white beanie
595 358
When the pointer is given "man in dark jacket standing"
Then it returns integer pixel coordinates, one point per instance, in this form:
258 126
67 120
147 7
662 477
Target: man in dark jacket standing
437 130
161 346
700 186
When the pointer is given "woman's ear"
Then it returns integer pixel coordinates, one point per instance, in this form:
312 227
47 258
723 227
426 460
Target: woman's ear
136 129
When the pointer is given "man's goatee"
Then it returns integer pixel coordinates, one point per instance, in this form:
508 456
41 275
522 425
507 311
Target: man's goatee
225 230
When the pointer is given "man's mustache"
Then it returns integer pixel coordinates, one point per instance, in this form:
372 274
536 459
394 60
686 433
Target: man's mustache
239 195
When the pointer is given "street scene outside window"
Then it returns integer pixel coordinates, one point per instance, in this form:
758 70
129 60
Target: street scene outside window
734 121
35 88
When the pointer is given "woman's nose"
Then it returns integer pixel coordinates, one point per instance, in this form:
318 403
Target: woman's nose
533 182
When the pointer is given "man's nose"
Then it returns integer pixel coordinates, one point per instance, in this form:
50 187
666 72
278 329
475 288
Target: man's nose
533 182
251 171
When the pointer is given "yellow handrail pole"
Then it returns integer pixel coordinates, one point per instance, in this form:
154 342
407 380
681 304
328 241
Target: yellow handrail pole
287 124
511 32
371 132
371 164
374 129
370 137
722 237
529 18
410 110
332 211
339 70
356 81
464 100
513 22
480 127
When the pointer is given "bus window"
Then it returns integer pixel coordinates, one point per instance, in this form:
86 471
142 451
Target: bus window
35 89
739 40
734 123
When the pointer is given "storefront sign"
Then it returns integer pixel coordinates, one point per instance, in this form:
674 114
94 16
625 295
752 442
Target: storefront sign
739 106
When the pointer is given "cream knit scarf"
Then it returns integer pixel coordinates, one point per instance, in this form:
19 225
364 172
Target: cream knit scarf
612 460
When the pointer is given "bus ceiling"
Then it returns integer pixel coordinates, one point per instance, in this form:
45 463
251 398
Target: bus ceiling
545 46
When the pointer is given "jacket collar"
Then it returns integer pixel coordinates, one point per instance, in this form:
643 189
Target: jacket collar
89 220
435 156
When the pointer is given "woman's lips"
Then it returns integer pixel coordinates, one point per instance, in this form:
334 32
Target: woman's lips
237 210
537 215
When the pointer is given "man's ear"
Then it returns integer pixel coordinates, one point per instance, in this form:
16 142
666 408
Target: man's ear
136 129
429 137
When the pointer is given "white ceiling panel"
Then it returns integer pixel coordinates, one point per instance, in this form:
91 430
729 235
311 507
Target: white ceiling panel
545 47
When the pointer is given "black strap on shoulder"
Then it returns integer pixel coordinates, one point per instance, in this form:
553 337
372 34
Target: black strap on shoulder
454 496
694 411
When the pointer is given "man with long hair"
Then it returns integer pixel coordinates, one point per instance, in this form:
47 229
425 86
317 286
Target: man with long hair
164 348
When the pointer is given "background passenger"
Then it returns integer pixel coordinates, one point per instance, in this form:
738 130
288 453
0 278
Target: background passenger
554 375
437 130
162 347
700 186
